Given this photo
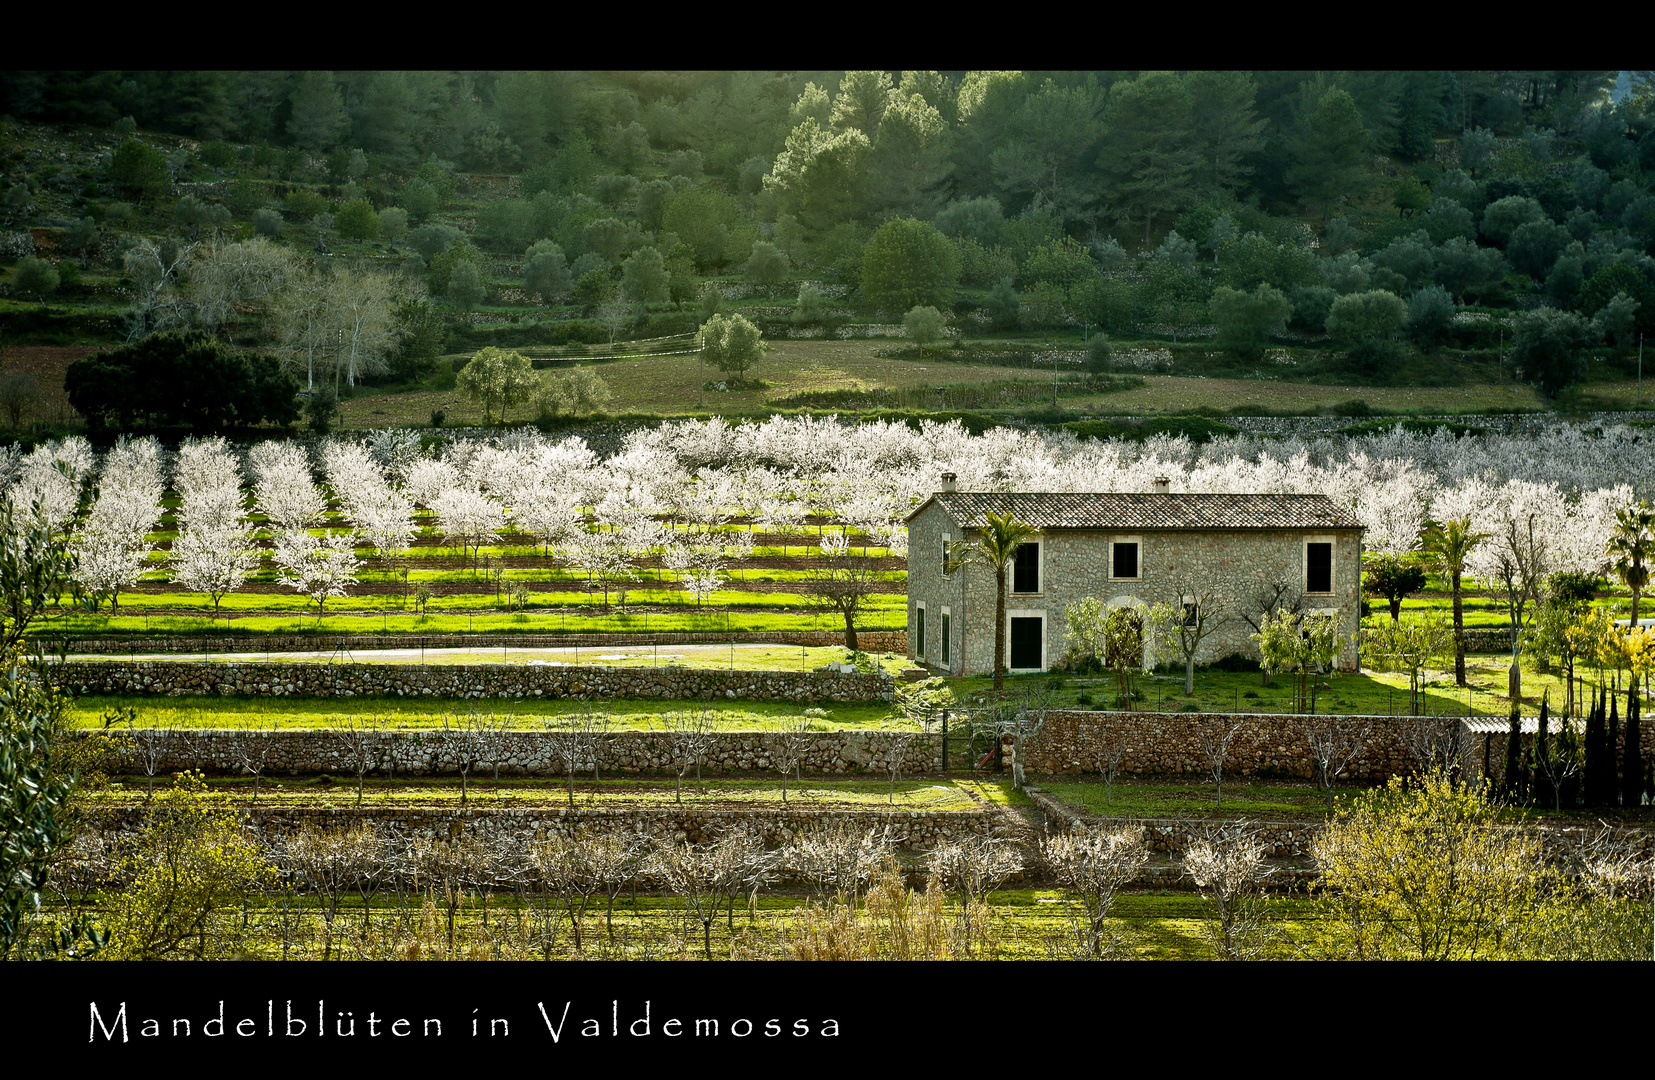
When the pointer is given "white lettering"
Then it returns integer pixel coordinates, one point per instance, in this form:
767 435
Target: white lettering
555 1032
108 1031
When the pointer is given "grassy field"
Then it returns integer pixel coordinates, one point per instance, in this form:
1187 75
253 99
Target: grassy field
1133 798
1022 924
1172 394
1368 693
672 385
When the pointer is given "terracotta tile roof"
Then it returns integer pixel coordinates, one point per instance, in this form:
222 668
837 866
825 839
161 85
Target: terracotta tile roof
1141 510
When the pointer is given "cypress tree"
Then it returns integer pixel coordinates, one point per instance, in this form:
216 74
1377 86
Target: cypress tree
1514 750
1541 785
1632 768
1594 752
1611 782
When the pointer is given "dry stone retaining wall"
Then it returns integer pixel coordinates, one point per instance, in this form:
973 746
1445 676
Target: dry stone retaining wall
527 753
521 826
467 681
1267 744
1282 839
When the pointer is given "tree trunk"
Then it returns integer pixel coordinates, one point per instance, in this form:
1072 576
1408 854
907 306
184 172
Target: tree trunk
1000 628
850 630
1459 631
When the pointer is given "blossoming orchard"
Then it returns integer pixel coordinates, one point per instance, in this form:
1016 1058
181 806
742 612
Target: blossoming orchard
708 525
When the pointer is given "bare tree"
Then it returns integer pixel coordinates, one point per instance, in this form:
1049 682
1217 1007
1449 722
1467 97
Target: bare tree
1200 609
836 859
88 865
691 736
463 740
1214 735
1109 749
788 747
253 748
1436 742
444 867
579 742
896 751
973 866
365 748
743 864
564 863
1333 746
1097 865
1229 868
692 874
332 862
493 732
149 746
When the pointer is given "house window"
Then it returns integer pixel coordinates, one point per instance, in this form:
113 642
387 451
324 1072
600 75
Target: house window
1026 576
1192 610
1318 566
947 539
946 649
1123 560
919 630
1026 638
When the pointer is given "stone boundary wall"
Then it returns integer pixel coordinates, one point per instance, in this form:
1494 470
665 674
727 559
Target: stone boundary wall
1268 744
522 826
465 681
893 641
525 753
1168 743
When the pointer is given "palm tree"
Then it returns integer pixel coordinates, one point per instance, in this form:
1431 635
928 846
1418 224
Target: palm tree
1450 542
996 548
1632 549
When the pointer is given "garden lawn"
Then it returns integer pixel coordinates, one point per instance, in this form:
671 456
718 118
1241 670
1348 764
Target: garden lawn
1140 799
1368 693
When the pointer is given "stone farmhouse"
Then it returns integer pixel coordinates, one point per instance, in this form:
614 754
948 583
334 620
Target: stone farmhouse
1126 548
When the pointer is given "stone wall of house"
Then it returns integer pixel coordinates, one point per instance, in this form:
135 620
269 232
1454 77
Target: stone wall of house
1075 565
517 753
471 681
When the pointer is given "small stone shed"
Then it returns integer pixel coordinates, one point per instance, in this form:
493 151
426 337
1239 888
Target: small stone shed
1125 548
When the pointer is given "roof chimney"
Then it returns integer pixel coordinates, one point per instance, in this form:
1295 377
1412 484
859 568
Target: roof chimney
948 481
1163 486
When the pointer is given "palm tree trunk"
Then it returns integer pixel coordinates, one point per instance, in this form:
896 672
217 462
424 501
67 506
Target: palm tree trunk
1000 628
1459 632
